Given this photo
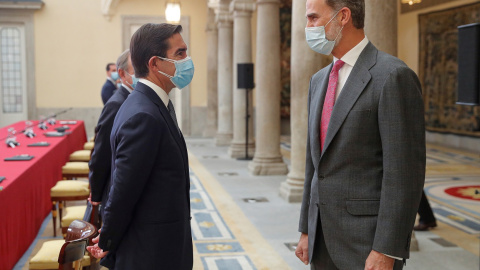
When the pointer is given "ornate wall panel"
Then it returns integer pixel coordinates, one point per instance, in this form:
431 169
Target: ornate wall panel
438 71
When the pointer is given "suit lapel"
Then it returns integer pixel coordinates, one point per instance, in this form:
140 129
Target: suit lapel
353 88
164 112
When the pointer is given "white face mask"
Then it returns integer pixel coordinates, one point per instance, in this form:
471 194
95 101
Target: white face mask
317 39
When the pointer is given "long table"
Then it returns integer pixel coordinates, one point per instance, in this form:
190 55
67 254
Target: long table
25 195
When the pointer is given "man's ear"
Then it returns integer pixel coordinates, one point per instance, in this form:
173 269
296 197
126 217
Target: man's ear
121 73
346 15
153 62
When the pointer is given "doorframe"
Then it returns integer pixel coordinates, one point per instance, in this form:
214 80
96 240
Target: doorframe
25 17
127 22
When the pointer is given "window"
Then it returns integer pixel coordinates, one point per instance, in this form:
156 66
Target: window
11 70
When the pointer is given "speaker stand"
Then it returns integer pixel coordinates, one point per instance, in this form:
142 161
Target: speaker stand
247 116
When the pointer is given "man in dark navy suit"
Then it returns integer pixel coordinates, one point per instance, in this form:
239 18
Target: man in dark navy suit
147 215
101 159
111 84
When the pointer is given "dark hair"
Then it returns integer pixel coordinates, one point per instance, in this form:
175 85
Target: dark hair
108 66
150 40
357 7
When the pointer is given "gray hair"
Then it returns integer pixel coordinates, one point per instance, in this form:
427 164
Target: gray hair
357 7
122 61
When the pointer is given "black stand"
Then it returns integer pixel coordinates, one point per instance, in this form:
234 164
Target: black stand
247 116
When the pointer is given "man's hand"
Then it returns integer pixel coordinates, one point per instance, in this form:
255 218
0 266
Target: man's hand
379 261
95 250
302 248
93 203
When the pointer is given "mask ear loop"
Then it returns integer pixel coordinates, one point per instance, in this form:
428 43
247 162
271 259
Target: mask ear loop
163 73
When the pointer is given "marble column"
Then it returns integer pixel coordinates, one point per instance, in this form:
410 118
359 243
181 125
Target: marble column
242 53
304 63
381 24
225 74
267 159
212 71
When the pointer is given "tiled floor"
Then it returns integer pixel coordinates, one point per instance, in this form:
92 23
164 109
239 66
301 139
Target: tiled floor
240 221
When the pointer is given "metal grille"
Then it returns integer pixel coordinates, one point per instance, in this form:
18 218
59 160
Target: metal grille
11 70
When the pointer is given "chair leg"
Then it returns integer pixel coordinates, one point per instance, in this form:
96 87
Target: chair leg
54 218
60 209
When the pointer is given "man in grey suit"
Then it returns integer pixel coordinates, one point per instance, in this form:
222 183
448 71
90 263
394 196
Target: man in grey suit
365 162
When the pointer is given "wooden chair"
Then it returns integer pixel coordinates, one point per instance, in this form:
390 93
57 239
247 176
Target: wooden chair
88 145
70 253
66 190
81 155
73 170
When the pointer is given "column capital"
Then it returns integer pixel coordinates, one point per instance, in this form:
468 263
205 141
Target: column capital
224 18
245 7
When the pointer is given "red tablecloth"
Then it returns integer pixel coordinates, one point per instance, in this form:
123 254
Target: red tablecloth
25 198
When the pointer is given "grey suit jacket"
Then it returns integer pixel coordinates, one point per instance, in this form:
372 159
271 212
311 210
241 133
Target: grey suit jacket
365 186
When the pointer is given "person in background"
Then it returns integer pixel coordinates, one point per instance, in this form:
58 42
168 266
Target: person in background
427 219
111 84
101 159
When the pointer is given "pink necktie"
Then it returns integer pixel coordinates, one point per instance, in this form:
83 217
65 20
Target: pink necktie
329 101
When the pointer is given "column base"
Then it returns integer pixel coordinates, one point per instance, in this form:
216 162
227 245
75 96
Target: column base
414 243
209 133
267 166
223 139
237 150
290 192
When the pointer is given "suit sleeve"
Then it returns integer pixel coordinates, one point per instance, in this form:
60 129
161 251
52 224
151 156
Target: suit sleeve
135 149
101 159
402 131
309 170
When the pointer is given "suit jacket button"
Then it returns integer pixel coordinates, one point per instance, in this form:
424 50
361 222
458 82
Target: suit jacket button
321 177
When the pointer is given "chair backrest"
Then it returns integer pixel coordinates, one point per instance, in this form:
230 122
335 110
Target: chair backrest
79 234
71 254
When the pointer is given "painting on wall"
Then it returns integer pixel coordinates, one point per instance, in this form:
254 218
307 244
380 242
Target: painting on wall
285 38
438 71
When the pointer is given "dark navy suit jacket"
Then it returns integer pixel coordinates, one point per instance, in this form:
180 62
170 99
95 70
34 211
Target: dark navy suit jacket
107 90
147 215
101 159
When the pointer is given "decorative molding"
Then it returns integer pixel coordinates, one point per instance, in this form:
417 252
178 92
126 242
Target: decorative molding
275 2
107 7
404 8
243 6
21 5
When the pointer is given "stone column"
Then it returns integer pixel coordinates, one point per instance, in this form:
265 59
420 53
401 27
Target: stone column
242 53
381 24
212 70
224 79
267 159
304 63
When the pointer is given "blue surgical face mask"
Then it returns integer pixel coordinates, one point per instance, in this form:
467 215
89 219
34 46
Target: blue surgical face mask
183 73
134 81
317 39
119 85
114 76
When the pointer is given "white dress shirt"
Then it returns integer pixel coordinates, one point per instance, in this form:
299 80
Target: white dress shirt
160 92
127 87
350 58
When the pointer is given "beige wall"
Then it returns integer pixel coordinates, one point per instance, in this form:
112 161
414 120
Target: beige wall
408 36
74 41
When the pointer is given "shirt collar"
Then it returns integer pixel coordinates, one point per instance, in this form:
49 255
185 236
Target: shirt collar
157 89
110 79
351 57
127 87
